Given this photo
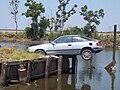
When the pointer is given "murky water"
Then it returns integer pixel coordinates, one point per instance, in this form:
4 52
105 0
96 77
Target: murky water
84 79
17 45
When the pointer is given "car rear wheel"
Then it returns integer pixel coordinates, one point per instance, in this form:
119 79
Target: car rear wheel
86 54
40 52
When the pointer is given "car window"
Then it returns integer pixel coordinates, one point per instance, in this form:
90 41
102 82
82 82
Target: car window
86 38
65 39
77 39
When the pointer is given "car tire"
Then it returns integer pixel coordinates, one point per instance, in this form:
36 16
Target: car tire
86 54
40 52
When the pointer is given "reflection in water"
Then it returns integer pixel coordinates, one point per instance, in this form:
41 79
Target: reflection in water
85 87
59 84
46 83
1 88
112 75
56 82
17 45
84 79
87 77
69 82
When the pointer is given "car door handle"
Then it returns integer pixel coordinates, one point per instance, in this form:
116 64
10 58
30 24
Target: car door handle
69 45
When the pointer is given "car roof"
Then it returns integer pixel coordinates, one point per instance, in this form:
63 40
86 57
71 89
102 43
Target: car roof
76 36
90 39
71 35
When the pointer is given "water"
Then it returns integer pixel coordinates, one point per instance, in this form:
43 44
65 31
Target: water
17 45
96 79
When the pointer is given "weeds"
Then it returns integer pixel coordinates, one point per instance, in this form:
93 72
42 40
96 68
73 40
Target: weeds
12 54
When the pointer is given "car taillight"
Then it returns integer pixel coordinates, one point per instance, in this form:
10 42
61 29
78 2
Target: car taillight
98 44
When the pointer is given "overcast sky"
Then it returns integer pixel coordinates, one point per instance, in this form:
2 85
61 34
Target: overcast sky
111 8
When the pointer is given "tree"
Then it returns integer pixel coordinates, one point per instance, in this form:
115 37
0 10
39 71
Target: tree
34 11
62 14
44 23
14 11
73 31
92 18
29 32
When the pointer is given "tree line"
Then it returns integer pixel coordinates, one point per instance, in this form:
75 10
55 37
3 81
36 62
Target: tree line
38 28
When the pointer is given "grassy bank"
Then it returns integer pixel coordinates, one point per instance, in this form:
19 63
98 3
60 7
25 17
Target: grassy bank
107 40
12 54
19 38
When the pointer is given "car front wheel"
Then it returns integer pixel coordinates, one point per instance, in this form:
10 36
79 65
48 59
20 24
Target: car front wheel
86 54
40 52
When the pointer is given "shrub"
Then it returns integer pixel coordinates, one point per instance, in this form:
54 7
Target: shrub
29 32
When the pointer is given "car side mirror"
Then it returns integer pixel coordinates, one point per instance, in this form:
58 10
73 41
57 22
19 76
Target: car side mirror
53 43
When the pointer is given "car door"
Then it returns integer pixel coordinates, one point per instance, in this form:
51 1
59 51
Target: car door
77 44
63 45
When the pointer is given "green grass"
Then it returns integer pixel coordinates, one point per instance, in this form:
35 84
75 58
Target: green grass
12 54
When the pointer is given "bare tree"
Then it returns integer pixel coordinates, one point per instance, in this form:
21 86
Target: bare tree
14 11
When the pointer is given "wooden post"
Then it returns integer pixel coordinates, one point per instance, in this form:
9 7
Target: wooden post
73 63
3 74
111 66
60 65
59 87
47 66
22 73
114 43
28 72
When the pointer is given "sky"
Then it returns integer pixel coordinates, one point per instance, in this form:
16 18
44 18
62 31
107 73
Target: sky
111 9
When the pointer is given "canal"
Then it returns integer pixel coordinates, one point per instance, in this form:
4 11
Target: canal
84 79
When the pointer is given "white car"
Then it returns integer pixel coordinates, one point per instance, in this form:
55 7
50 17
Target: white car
69 45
